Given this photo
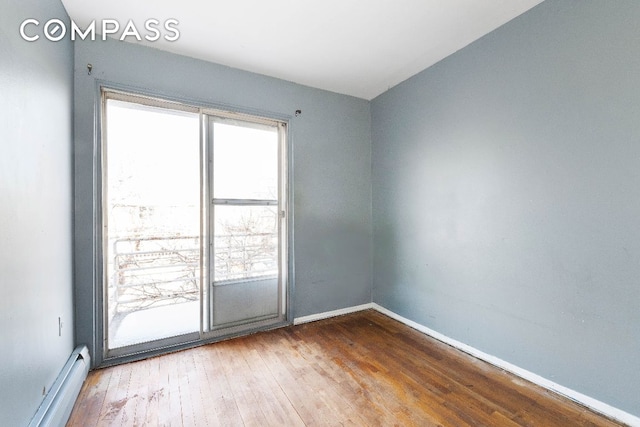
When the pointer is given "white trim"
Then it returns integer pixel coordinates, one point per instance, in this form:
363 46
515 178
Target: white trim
334 313
578 397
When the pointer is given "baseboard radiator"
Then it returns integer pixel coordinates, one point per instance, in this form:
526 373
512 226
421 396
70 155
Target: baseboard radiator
57 406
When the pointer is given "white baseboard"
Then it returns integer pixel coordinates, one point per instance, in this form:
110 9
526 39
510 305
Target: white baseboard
578 397
589 402
334 313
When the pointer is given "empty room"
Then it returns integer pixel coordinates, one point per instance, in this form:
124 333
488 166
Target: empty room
375 213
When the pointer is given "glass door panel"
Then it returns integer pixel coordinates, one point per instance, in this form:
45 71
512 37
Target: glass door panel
245 242
245 274
152 214
246 283
245 160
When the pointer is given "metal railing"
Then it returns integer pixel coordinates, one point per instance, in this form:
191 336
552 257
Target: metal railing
155 271
238 257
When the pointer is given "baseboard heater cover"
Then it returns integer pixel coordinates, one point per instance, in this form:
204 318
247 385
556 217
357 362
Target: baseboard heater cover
56 407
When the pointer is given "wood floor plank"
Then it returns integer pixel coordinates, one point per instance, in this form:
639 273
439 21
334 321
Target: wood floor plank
139 392
171 414
348 386
421 383
187 388
361 369
241 384
220 399
273 400
154 393
163 417
95 390
110 409
205 410
308 395
389 399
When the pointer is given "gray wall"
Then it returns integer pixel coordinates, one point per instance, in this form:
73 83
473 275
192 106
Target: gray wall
331 144
35 210
506 196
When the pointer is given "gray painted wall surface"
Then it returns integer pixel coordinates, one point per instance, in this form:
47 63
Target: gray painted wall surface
35 210
331 144
506 196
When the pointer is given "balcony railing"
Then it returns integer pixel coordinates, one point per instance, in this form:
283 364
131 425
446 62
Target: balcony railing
155 271
241 257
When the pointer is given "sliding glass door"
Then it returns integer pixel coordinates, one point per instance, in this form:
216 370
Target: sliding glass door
194 223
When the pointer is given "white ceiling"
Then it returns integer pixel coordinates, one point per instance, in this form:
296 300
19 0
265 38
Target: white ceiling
354 47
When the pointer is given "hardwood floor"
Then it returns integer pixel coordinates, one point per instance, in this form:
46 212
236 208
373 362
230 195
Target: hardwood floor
362 369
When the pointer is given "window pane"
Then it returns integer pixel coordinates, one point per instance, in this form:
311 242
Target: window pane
152 206
245 242
245 161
